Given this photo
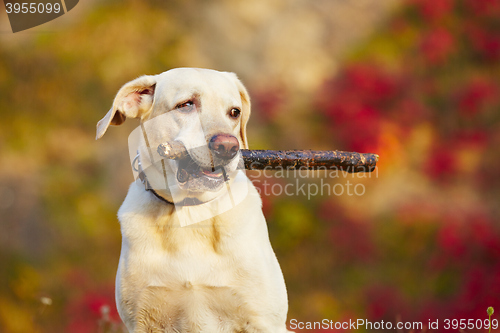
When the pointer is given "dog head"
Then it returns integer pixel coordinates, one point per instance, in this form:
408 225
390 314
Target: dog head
206 110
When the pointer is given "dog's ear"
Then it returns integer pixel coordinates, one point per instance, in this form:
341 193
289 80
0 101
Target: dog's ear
245 112
133 100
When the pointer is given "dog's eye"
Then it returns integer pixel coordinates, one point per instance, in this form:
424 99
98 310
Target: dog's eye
186 106
234 113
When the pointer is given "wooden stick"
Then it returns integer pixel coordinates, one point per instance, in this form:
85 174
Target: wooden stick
173 150
308 160
289 159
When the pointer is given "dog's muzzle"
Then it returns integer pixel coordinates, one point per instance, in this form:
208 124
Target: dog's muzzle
196 176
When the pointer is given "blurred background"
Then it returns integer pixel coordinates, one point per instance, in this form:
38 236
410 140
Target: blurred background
415 81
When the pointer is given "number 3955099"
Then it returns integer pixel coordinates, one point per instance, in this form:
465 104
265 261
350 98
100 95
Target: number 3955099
470 324
33 7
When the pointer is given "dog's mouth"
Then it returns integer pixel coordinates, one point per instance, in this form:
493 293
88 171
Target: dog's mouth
196 178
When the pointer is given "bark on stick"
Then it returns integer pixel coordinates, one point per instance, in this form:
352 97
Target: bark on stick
289 159
308 160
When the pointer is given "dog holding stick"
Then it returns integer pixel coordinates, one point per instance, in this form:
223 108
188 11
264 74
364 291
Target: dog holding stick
218 275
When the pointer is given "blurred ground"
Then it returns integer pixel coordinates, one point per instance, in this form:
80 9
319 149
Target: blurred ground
414 81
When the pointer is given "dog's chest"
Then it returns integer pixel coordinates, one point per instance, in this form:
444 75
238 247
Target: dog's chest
203 253
179 277
219 275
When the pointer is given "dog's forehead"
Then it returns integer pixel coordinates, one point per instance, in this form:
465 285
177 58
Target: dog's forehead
183 82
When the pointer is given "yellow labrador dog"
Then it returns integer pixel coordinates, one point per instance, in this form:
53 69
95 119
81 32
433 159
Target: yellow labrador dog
192 260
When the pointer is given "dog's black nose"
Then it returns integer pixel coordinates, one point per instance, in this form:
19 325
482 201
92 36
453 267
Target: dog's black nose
224 146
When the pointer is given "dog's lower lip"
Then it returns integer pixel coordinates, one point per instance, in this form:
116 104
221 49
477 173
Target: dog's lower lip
190 170
214 174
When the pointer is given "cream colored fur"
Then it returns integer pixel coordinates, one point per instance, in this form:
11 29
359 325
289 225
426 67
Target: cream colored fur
218 275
